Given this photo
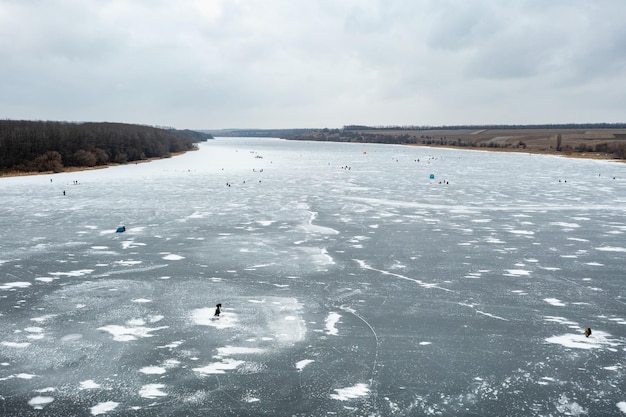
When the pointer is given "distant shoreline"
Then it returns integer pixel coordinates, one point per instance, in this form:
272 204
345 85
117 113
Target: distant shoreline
575 155
578 142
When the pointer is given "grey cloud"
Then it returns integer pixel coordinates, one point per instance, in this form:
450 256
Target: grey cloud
275 63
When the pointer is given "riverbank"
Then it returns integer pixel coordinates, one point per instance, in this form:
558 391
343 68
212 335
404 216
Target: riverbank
81 169
582 142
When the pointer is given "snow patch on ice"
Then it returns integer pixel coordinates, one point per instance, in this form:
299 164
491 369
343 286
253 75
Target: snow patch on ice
132 332
19 345
568 407
128 263
152 391
522 232
611 249
89 384
350 393
11 285
34 329
103 408
565 225
72 337
236 350
172 345
579 341
550 268
205 317
38 403
77 273
301 364
554 301
43 318
130 244
152 370
219 367
331 321
249 399
265 222
517 272
173 257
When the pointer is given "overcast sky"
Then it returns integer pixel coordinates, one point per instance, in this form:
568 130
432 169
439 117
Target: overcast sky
313 63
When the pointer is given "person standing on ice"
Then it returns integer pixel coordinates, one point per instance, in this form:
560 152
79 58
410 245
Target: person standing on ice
218 309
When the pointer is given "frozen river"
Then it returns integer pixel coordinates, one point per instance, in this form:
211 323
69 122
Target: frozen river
352 284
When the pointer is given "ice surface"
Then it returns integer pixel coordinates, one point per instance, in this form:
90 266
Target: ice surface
370 291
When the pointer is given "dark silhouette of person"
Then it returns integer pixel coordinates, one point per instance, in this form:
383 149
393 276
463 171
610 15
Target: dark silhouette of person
218 309
587 332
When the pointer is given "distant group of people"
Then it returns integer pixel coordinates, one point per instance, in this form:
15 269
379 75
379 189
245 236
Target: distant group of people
229 184
74 182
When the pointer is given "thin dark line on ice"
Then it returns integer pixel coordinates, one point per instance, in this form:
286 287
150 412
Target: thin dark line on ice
375 363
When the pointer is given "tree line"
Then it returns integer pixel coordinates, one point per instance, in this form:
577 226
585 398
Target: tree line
45 146
553 126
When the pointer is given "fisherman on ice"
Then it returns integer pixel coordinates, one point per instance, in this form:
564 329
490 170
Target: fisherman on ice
218 309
